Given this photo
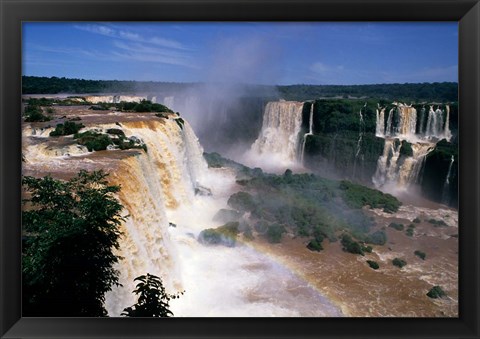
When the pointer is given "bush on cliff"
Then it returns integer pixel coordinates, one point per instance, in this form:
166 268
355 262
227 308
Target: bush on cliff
224 235
34 113
67 128
357 196
93 141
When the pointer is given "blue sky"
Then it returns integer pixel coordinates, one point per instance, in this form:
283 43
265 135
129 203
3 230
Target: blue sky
265 53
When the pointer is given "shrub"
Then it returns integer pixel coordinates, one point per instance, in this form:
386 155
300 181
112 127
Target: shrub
35 114
314 245
420 254
437 223
93 141
153 300
357 196
373 264
261 227
399 262
241 201
436 292
274 233
398 227
377 238
367 249
406 149
417 220
350 245
409 232
248 234
66 128
40 102
180 122
224 235
116 131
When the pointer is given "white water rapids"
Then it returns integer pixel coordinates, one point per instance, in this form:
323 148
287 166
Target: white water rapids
165 218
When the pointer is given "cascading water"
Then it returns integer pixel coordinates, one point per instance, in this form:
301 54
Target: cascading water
404 128
408 120
387 163
409 171
277 144
218 281
380 125
388 130
446 185
310 132
435 123
447 132
169 102
360 136
422 121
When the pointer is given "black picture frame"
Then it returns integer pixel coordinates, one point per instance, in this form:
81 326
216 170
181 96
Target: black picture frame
466 12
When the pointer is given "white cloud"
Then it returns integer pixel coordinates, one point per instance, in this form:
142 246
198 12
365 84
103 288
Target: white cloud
129 46
130 36
321 68
140 52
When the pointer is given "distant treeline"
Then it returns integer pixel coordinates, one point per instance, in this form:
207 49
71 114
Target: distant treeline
442 92
437 91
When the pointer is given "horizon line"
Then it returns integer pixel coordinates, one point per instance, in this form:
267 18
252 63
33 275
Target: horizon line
245 84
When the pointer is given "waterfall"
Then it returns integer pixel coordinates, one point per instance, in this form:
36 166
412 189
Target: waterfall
409 172
435 123
447 132
380 126
404 128
446 185
388 130
95 99
158 192
169 102
360 136
158 189
310 132
279 138
387 163
408 120
422 120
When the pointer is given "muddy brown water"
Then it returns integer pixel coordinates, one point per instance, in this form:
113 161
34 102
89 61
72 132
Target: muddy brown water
344 278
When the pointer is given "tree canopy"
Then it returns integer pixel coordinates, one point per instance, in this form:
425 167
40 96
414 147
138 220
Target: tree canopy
70 229
153 300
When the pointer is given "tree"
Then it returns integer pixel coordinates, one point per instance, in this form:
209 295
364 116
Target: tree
153 300
436 292
70 229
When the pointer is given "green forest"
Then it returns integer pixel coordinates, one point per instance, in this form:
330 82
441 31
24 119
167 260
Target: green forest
445 91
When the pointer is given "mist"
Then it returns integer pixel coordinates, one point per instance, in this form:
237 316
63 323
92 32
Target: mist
226 108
